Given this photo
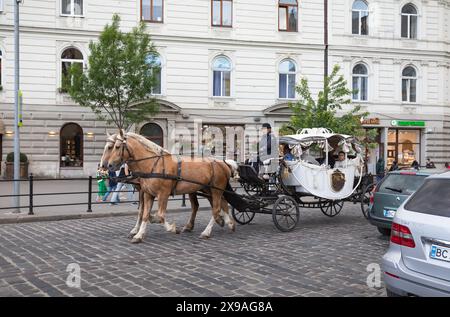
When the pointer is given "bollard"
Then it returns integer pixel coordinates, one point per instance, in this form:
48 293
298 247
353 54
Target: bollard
90 195
30 196
183 201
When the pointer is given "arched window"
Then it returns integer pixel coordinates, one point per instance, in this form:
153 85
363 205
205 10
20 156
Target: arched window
409 84
221 77
287 15
69 57
71 145
360 16
360 82
155 61
409 21
286 75
153 132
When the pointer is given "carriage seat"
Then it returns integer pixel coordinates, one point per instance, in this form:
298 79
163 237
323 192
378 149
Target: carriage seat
248 174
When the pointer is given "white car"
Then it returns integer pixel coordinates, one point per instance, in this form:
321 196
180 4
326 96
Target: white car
418 260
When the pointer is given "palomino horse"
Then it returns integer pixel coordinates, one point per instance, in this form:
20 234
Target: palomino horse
162 174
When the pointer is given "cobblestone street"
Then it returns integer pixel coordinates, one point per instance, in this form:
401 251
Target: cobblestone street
321 257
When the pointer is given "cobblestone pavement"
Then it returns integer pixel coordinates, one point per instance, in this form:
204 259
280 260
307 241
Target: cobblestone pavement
321 257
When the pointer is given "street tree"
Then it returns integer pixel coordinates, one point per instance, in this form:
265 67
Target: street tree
327 111
121 74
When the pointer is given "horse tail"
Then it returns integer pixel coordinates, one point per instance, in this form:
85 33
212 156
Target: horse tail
232 165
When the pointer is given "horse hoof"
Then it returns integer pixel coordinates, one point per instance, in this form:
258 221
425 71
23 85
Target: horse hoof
136 240
186 229
131 235
204 236
220 221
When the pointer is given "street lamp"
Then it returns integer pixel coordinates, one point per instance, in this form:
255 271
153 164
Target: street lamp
16 108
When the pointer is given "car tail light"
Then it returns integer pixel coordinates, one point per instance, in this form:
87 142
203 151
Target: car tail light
408 173
402 235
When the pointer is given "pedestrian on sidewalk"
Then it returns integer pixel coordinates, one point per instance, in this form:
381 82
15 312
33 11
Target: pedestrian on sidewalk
115 199
112 185
101 176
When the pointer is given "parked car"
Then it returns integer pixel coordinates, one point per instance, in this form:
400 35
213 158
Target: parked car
391 192
418 259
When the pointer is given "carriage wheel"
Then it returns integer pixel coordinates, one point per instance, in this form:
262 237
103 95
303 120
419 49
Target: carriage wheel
365 200
242 217
330 208
285 213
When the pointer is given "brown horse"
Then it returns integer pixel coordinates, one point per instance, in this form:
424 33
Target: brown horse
176 175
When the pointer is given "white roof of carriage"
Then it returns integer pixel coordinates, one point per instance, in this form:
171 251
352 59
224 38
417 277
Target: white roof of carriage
314 134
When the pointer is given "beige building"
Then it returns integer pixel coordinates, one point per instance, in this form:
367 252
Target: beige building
232 64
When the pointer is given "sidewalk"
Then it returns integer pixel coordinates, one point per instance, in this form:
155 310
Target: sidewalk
53 213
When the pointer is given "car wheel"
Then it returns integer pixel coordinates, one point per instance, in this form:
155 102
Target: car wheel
384 231
392 294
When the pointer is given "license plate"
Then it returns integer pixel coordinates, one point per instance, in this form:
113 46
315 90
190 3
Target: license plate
440 253
389 213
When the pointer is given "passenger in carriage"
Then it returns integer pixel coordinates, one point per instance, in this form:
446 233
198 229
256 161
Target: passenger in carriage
287 155
342 160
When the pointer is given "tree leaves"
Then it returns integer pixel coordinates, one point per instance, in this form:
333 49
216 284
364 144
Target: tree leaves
323 113
119 80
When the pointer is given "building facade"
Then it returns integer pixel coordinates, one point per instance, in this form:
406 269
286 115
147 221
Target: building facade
232 65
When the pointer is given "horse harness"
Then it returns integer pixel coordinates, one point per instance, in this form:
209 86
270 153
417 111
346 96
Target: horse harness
177 178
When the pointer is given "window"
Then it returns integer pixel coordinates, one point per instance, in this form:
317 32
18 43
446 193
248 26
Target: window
71 7
287 15
221 77
153 132
152 10
409 84
432 198
1 69
70 57
71 145
286 83
1 5
155 61
360 79
222 12
360 16
409 21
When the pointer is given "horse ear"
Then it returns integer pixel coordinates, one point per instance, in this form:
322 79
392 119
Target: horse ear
121 133
108 135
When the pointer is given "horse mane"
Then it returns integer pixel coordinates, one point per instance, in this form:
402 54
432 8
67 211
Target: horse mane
149 145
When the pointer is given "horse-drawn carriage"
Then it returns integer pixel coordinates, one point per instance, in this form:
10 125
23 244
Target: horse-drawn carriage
312 179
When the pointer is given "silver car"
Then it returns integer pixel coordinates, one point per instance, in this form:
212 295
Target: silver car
418 260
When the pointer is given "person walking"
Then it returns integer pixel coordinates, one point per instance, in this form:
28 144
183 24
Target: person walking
379 169
112 185
394 166
115 199
430 163
101 183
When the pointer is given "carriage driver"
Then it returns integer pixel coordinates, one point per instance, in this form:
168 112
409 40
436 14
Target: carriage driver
268 148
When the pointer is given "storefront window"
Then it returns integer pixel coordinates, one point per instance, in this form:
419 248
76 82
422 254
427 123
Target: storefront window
403 147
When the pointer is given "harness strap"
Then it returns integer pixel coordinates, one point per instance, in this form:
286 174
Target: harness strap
178 174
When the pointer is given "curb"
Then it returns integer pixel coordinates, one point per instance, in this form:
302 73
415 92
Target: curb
36 218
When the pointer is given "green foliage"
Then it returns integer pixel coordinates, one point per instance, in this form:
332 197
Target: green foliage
309 113
120 77
10 157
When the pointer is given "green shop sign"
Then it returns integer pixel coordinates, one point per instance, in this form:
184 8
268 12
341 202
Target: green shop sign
400 123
